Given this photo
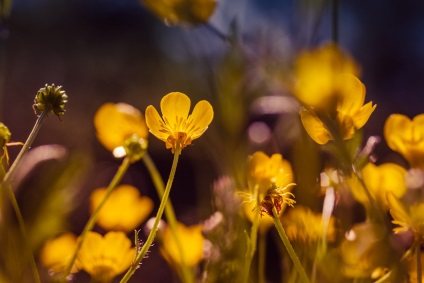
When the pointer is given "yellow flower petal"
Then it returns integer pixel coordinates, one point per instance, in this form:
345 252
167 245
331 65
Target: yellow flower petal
192 249
57 252
362 116
124 210
201 116
115 123
176 127
398 211
155 123
106 257
352 92
396 129
314 127
175 107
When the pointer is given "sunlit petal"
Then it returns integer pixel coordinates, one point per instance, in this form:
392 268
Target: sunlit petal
201 116
155 123
175 107
314 127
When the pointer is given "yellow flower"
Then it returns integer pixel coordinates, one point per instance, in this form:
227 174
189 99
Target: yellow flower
176 125
56 253
262 171
350 114
116 123
175 12
106 257
364 250
406 136
410 217
387 177
192 247
318 73
304 226
124 210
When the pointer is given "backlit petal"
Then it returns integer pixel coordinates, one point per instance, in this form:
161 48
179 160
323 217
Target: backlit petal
201 116
314 127
398 211
352 93
362 116
397 129
155 122
175 107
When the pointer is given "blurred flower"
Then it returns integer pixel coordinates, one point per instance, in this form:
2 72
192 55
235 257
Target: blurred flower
410 217
56 253
115 123
406 136
319 73
379 180
262 171
106 257
192 247
174 12
350 113
124 210
176 125
364 250
306 227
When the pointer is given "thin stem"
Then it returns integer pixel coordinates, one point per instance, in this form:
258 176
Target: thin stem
418 257
217 32
251 245
169 214
261 257
161 209
9 175
93 218
289 247
5 184
23 231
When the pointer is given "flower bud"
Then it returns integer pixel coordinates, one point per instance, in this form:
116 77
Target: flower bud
4 135
52 98
135 147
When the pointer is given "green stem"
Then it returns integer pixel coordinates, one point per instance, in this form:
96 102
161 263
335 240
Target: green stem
289 247
9 175
161 209
418 257
93 218
5 184
261 257
169 214
251 245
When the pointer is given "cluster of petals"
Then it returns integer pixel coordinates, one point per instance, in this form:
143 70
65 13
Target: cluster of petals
406 136
176 127
124 210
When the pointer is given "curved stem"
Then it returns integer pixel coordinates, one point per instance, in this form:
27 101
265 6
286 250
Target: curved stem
93 218
5 185
161 209
11 172
251 244
169 214
289 247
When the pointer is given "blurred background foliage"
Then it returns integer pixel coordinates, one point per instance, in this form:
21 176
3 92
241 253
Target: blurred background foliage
117 51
